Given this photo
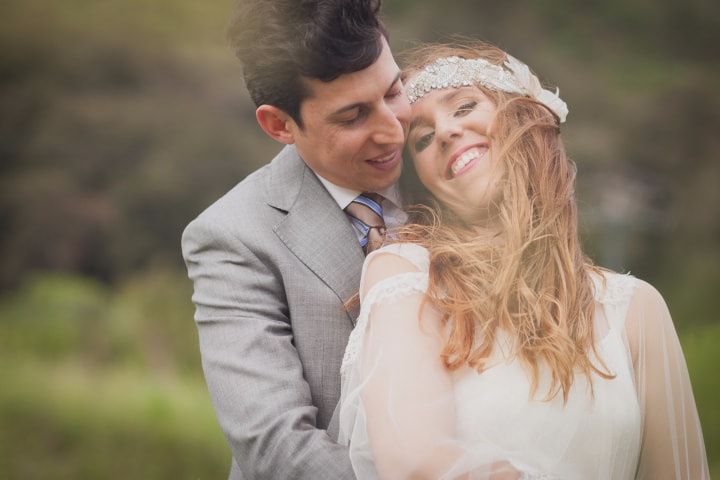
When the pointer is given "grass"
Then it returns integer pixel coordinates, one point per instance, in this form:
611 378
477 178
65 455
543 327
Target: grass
69 421
102 382
703 356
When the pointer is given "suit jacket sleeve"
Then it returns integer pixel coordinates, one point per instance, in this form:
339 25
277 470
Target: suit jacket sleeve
252 369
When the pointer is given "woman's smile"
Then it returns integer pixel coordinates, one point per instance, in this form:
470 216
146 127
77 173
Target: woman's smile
465 159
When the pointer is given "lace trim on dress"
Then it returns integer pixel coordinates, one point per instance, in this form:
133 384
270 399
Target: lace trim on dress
618 288
390 288
615 295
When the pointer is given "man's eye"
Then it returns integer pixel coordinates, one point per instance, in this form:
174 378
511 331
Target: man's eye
422 142
394 93
352 119
465 108
349 121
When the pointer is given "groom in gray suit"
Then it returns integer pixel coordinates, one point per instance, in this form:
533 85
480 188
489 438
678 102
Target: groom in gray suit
274 260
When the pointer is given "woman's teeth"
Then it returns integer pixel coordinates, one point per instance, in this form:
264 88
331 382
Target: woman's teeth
463 160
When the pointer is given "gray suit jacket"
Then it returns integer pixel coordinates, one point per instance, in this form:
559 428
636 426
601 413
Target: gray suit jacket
272 262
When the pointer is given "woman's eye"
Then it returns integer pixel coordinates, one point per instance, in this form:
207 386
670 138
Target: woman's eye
465 108
422 142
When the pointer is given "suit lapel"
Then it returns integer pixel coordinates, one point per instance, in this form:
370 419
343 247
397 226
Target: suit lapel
315 229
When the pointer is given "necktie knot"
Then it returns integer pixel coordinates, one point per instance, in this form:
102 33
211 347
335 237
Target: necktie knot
366 215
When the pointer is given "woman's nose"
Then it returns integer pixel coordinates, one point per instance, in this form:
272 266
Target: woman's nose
448 130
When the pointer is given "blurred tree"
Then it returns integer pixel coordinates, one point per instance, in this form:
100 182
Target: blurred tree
121 121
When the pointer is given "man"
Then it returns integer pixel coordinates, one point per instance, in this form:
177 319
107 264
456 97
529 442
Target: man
274 260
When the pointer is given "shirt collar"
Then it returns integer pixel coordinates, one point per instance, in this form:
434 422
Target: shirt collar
344 196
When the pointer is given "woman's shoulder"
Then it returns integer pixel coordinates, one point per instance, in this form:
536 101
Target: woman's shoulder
393 261
628 302
415 254
612 288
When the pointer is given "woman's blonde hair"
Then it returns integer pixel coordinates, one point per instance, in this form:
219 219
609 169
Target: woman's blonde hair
532 279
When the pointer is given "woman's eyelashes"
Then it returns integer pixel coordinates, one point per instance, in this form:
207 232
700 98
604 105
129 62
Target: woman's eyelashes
465 108
423 141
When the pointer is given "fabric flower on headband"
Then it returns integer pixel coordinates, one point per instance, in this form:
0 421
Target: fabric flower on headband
533 89
456 72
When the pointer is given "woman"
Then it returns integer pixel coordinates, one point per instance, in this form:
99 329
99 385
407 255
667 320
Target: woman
488 345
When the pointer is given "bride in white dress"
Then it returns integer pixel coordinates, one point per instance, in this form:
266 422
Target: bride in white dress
488 346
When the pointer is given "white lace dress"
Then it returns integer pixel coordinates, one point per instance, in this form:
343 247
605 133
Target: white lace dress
404 415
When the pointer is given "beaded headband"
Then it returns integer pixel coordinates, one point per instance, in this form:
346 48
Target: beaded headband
456 72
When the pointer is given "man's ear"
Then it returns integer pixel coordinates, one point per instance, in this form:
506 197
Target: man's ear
276 123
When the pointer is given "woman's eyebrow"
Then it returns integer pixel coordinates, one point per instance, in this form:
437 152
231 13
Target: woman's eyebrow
445 100
415 122
450 96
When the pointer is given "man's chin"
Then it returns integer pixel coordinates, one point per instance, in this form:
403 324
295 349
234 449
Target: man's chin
387 181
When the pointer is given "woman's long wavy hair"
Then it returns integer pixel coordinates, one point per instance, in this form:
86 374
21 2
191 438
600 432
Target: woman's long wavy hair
531 280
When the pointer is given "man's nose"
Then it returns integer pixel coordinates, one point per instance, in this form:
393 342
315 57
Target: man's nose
390 127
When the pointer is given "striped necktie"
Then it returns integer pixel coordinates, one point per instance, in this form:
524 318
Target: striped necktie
366 214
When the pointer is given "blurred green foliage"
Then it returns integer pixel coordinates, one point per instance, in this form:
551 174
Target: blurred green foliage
143 323
101 383
702 354
104 383
122 119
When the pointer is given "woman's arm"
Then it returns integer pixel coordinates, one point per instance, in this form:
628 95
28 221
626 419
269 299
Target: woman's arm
672 441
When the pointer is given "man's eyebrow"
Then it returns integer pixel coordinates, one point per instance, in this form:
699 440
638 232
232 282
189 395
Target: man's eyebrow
355 105
396 80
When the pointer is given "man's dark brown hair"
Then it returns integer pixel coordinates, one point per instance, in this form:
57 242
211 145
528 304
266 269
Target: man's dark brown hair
281 41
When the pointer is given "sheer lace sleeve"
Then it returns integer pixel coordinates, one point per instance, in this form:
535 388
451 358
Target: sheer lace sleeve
397 410
672 441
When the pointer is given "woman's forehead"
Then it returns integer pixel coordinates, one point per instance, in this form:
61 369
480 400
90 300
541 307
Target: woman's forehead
439 101
446 96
